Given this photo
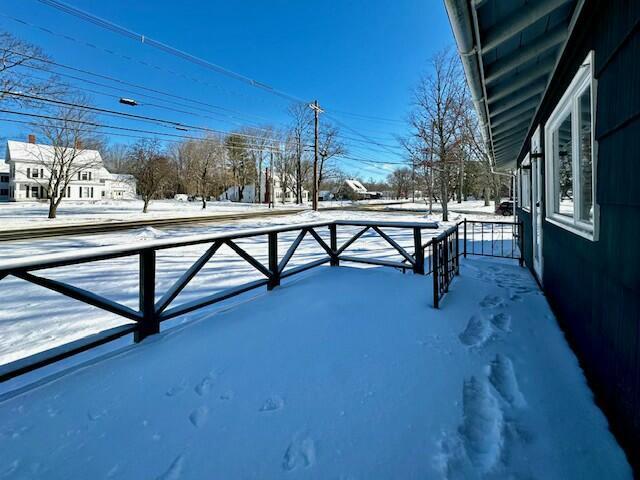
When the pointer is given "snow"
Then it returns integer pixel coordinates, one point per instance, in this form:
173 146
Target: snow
341 373
18 215
468 207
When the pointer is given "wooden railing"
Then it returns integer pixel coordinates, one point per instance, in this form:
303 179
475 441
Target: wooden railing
151 313
439 256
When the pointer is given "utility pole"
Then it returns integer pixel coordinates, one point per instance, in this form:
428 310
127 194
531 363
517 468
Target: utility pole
316 112
270 182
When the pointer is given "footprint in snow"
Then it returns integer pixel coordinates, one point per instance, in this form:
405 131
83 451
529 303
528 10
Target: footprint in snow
272 403
482 427
492 301
227 395
174 472
204 387
477 331
199 416
176 389
503 378
301 452
502 321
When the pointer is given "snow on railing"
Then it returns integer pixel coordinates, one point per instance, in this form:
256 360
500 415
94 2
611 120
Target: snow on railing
151 313
440 253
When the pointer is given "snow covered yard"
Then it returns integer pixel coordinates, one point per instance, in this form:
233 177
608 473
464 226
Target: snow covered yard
474 207
16 215
33 214
343 373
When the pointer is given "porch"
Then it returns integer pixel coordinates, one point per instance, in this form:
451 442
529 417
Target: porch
342 373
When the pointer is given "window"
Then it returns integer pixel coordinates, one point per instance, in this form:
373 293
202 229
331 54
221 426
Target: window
4 178
4 192
524 185
570 165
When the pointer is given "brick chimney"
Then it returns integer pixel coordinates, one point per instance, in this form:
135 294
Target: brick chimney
32 138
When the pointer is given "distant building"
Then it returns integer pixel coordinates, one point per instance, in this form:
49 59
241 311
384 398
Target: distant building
4 181
27 175
117 186
250 193
352 189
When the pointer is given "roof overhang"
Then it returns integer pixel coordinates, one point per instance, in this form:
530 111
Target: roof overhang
509 50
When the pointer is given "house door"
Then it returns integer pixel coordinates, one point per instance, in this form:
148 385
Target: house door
536 207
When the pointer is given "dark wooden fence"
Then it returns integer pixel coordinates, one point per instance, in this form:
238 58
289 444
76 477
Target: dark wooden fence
151 312
440 253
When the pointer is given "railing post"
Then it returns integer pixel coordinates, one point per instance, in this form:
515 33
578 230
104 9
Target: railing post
456 255
465 238
150 323
445 256
274 281
436 288
520 244
333 237
418 255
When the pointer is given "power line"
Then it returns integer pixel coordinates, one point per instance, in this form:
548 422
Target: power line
160 121
100 125
143 39
367 140
128 58
122 31
368 117
155 105
113 79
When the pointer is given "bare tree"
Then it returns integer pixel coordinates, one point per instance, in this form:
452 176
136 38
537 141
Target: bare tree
64 156
241 165
204 165
150 168
330 146
286 165
300 132
116 158
18 59
438 117
400 182
260 143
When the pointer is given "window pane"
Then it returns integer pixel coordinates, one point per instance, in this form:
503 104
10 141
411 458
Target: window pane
564 170
586 164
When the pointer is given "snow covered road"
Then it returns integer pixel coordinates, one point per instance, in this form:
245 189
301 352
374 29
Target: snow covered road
345 373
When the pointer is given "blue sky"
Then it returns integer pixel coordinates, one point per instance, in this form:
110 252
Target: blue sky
356 57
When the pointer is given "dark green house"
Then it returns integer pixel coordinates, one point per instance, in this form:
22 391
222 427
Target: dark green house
556 84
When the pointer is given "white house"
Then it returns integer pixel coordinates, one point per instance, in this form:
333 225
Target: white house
29 167
250 194
117 186
4 181
354 190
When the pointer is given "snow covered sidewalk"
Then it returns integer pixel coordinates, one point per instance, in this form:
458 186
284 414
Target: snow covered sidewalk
346 373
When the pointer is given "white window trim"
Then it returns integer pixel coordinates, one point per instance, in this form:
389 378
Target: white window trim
526 169
568 103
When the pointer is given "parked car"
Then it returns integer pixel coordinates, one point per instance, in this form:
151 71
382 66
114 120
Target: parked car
505 209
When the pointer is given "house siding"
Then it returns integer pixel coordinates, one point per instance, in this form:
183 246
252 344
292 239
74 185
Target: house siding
594 287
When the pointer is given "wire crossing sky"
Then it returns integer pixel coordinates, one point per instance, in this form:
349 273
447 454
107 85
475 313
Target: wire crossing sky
217 65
